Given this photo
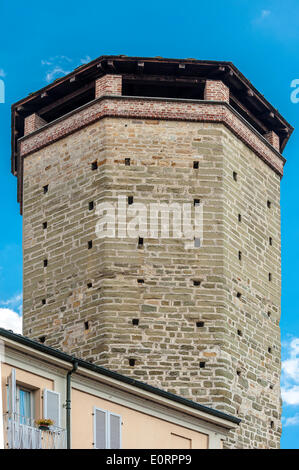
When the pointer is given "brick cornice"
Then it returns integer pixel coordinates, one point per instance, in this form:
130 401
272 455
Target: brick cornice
153 108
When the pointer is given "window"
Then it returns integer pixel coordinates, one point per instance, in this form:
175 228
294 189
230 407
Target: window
25 404
107 430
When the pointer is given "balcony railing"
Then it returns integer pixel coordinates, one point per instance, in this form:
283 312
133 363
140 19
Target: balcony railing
21 433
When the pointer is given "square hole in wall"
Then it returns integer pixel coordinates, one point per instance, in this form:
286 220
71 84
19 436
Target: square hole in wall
127 161
196 202
239 295
45 188
196 242
140 281
89 285
235 176
94 165
130 200
196 282
269 204
135 321
89 244
90 205
45 225
202 365
45 263
239 218
195 165
140 242
86 325
240 255
43 301
42 339
200 324
270 241
132 362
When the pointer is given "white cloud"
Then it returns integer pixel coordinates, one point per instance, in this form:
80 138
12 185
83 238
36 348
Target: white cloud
14 303
11 313
16 300
291 421
85 59
55 73
59 65
290 373
290 395
10 320
265 14
46 62
58 59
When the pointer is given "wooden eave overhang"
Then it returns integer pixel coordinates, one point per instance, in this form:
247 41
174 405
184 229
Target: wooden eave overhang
68 90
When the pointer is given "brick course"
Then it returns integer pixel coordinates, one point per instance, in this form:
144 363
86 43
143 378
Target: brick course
145 108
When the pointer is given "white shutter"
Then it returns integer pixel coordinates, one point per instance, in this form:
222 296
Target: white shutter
52 406
12 392
100 429
115 431
107 430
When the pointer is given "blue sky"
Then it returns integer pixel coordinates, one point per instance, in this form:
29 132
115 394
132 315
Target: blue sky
40 42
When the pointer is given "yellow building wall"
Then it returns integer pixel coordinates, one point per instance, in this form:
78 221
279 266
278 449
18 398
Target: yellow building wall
139 430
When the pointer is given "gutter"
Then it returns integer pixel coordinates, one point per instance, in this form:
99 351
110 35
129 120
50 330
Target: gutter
68 402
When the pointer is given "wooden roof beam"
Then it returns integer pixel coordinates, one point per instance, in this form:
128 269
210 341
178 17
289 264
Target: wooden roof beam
67 98
163 79
249 113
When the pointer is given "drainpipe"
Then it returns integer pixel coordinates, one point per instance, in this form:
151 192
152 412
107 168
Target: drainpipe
68 403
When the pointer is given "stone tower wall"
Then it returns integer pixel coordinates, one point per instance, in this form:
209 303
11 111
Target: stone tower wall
202 322
167 345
